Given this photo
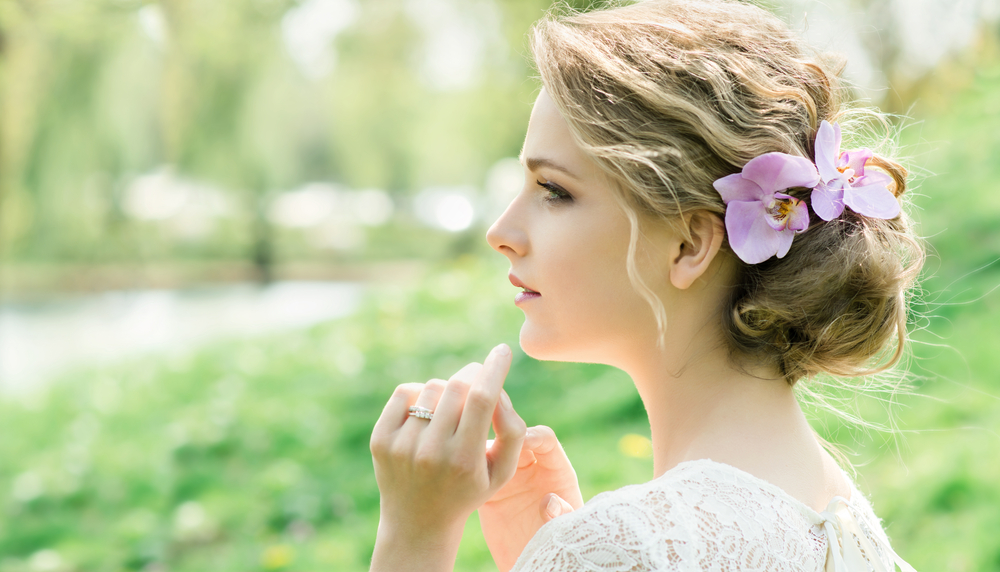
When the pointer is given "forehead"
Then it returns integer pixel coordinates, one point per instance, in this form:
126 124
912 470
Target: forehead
549 138
546 123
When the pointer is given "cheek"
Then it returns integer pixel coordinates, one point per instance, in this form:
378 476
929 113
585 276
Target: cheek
590 299
598 264
587 262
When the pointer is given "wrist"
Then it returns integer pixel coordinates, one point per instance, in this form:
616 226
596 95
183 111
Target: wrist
417 549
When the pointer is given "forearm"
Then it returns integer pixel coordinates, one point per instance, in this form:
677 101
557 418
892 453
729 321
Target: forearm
506 534
397 550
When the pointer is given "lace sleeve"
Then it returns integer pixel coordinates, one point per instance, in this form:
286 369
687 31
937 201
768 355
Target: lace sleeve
708 516
701 516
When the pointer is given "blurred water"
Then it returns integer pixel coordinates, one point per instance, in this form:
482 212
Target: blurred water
40 340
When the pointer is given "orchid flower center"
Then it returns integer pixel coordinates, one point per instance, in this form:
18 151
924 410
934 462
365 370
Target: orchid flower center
780 209
848 174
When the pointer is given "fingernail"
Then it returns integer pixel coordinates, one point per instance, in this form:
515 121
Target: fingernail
502 350
553 507
505 401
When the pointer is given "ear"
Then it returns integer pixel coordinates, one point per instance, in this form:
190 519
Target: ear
693 257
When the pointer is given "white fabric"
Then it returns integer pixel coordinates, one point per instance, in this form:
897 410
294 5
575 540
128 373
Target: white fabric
709 516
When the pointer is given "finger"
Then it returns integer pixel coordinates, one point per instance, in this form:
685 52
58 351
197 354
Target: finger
503 458
428 399
450 411
483 396
394 414
542 441
468 373
449 407
430 394
553 505
524 460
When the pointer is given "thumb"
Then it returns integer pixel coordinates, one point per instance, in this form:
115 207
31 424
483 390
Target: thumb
553 505
505 451
542 441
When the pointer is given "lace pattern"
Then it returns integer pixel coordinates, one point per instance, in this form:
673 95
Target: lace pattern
701 515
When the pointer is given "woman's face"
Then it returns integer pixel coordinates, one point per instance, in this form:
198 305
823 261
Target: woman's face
567 240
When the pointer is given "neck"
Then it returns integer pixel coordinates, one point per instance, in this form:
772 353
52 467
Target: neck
701 405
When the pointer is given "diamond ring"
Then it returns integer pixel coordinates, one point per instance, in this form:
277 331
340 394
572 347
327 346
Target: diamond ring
421 412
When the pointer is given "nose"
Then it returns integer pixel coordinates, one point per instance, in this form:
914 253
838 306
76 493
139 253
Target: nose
508 234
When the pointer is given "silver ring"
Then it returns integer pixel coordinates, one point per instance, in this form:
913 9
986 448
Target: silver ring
421 412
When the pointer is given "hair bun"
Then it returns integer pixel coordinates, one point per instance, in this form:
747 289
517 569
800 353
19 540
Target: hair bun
834 303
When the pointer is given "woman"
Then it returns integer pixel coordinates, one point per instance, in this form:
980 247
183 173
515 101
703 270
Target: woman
688 216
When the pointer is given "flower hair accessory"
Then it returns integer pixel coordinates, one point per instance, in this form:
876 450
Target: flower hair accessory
843 180
761 220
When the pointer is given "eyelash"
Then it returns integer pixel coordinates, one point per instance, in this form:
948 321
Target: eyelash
555 193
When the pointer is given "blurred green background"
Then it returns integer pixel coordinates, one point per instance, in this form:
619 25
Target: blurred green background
229 229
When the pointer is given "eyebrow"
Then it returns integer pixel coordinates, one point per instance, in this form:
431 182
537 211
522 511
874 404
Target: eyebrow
535 163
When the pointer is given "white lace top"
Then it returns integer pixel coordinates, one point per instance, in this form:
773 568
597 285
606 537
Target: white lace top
704 515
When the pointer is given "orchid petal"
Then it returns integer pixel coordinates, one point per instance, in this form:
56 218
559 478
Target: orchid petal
750 237
842 161
827 150
780 171
856 160
737 188
873 201
798 218
827 201
784 239
873 178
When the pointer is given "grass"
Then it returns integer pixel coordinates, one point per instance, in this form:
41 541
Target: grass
252 455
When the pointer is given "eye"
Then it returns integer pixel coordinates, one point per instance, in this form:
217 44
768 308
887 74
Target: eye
554 193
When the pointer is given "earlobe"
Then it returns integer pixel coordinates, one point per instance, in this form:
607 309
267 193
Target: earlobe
693 257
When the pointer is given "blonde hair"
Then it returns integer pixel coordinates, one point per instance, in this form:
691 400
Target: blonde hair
670 95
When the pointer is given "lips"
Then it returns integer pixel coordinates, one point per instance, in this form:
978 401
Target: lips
527 294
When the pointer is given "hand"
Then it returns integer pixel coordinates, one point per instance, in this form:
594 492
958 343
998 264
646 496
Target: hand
432 474
543 488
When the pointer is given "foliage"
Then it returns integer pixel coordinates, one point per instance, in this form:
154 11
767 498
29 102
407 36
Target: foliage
93 94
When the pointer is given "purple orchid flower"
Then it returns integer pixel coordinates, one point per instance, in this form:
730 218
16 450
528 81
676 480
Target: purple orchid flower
843 180
760 220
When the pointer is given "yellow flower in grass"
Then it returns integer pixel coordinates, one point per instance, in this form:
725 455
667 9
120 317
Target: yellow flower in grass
637 446
277 556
